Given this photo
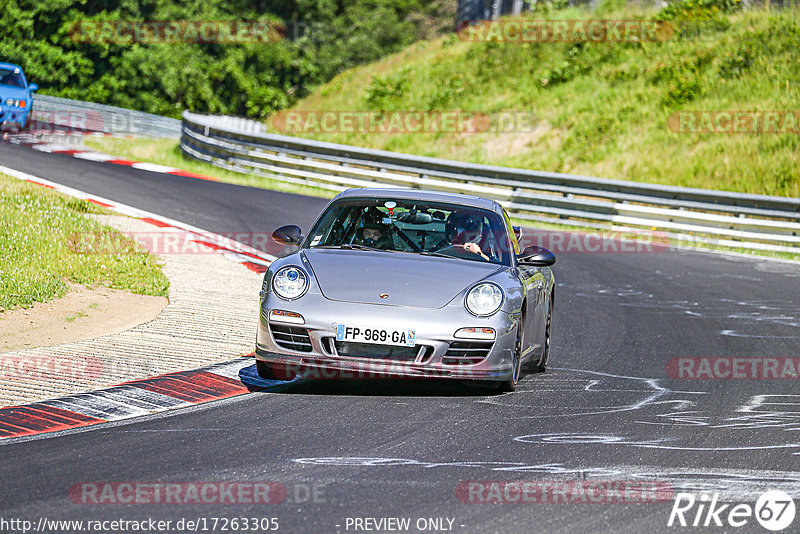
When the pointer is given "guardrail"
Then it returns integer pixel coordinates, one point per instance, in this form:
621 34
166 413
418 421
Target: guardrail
699 216
91 117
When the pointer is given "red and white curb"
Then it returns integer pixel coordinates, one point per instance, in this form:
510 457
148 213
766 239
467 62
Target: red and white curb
254 259
125 401
91 155
145 396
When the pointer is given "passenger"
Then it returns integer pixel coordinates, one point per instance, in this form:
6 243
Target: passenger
374 235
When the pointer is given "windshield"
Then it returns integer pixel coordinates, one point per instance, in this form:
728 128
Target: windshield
11 77
413 226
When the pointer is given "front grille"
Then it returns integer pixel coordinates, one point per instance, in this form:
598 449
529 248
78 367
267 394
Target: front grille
467 352
377 352
291 337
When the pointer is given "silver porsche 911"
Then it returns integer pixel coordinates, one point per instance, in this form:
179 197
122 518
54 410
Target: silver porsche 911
406 283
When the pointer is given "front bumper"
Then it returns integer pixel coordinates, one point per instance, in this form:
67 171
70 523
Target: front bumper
13 118
438 353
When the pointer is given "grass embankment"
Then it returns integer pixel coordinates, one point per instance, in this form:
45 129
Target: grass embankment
602 108
599 109
40 254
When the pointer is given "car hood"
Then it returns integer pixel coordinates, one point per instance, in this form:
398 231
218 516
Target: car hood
408 279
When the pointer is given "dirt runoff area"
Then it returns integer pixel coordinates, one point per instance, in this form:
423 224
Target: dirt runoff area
81 314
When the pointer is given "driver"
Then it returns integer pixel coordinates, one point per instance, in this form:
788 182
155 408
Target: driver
373 235
465 230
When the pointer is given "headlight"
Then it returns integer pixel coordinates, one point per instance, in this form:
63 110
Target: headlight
290 283
484 299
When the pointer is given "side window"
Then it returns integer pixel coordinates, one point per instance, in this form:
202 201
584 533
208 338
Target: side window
493 241
347 226
510 231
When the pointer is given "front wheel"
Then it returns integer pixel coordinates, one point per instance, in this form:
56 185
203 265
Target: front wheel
510 384
541 366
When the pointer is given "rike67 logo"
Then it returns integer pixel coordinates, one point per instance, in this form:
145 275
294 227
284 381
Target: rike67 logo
774 510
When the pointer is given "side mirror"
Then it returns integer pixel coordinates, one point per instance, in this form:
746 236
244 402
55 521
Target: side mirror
536 256
287 236
33 87
517 232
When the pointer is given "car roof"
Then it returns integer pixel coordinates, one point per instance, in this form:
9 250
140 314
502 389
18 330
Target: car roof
10 66
420 194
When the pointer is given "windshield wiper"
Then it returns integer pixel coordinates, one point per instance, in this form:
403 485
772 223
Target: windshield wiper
352 246
356 246
437 254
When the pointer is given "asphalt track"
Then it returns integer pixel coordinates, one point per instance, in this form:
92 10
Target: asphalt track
606 409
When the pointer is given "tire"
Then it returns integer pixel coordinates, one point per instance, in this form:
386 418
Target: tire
265 370
510 384
12 128
541 365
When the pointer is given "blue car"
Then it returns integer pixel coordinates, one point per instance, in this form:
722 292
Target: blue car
16 97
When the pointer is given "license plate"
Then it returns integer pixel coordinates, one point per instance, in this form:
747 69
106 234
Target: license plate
378 336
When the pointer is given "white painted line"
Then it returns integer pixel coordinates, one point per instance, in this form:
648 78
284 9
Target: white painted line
153 167
145 399
50 147
94 404
94 156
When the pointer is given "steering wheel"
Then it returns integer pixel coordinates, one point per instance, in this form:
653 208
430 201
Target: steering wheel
459 251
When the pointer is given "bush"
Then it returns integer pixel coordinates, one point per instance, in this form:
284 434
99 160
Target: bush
247 79
682 10
383 91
